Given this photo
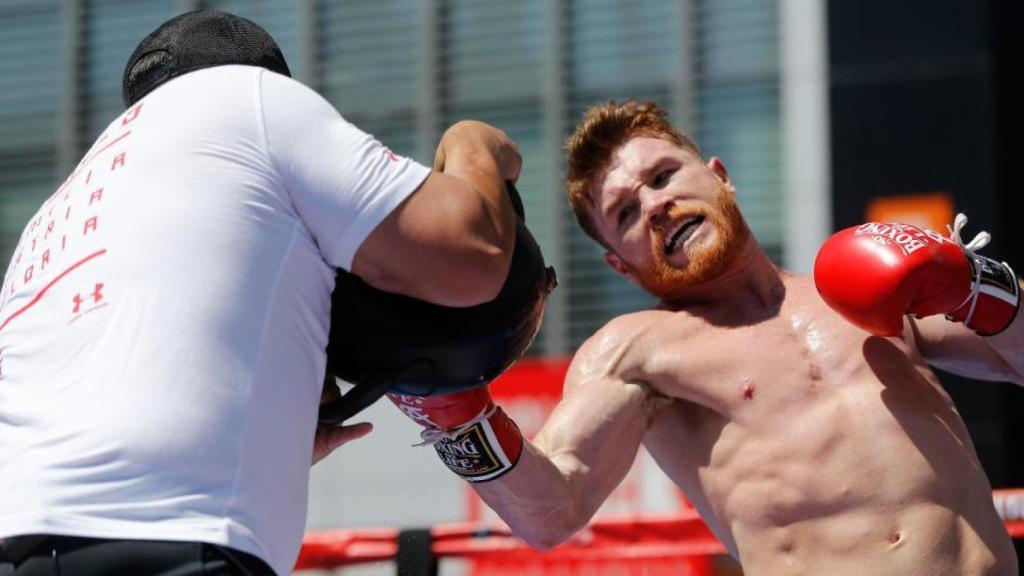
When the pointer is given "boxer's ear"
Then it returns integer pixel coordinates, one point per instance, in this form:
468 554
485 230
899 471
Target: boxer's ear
716 166
619 266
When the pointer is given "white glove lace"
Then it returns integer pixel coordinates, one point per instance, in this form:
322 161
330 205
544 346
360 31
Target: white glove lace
431 436
981 239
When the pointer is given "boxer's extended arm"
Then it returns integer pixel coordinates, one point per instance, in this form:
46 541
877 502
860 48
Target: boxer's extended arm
548 489
450 242
583 452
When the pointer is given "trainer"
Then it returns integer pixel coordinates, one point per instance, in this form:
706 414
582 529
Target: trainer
164 318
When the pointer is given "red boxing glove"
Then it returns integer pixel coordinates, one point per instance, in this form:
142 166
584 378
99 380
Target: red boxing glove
473 436
875 273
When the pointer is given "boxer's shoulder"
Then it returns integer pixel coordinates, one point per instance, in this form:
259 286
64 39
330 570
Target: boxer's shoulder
623 346
632 330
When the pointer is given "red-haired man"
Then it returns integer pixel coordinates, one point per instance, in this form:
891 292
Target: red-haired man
808 444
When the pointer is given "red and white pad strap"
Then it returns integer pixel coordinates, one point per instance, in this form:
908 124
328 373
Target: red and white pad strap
995 292
479 450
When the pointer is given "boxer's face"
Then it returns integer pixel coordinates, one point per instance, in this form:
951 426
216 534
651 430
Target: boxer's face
670 220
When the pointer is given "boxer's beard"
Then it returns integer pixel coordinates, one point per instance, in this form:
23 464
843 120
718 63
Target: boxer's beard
707 258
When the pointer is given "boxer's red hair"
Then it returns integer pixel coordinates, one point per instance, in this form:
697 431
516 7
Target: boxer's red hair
604 128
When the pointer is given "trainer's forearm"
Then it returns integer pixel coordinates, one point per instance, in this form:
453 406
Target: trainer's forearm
536 499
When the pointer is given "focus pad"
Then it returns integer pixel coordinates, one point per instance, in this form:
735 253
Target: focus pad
394 343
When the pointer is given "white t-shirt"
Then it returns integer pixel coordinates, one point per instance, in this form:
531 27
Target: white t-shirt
165 314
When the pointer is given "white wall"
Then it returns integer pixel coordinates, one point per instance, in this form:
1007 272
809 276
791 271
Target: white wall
805 123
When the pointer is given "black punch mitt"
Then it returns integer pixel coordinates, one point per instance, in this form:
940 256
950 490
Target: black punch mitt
389 343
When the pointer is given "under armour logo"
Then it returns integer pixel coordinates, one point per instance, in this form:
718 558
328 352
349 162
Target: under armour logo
97 295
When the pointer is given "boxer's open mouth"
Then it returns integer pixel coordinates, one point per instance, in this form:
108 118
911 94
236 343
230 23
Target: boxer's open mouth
681 232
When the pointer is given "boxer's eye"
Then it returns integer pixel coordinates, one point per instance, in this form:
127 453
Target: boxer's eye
626 214
661 178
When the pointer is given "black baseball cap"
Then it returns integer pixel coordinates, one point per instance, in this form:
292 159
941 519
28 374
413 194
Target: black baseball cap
195 40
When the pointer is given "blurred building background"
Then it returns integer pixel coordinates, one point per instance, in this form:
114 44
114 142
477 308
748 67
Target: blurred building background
818 108
405 69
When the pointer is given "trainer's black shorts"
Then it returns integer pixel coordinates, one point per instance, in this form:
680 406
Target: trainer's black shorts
75 556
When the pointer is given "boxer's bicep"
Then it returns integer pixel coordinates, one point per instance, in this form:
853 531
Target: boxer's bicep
564 475
594 434
586 446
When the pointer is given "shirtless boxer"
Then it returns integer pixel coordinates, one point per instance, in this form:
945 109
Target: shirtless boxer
807 444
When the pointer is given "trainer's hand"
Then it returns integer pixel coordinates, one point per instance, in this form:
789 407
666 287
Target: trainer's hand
875 273
328 438
472 137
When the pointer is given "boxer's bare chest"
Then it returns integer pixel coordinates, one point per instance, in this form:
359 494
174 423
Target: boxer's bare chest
743 364
799 432
790 414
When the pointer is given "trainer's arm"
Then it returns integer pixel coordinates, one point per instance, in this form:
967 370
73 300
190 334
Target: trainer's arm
444 236
451 241
955 348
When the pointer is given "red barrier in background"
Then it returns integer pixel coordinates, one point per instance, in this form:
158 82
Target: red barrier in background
652 541
658 541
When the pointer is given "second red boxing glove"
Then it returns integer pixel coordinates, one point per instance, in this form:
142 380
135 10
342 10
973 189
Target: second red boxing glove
875 273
